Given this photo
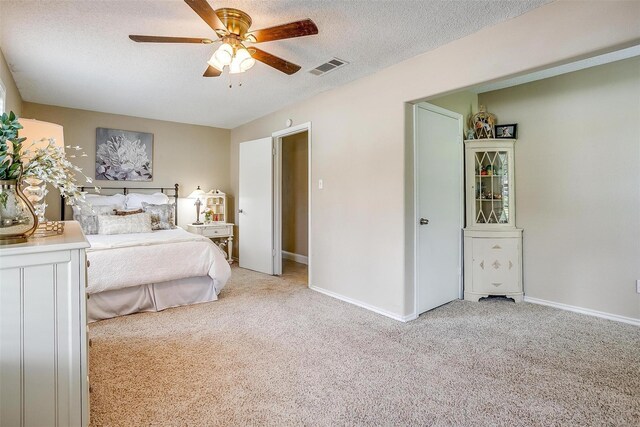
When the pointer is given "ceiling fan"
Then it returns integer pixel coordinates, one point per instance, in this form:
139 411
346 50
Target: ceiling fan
232 28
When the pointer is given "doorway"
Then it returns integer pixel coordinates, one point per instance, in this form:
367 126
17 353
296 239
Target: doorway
292 203
295 206
439 206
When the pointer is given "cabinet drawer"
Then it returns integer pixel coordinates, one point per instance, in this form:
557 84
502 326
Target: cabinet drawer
216 231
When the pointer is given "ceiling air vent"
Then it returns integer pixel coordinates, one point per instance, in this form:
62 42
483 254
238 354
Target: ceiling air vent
329 66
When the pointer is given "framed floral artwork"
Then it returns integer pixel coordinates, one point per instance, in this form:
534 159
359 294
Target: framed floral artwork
123 155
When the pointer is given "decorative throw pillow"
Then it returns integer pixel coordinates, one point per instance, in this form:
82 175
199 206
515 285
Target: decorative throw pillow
102 200
162 216
125 213
89 221
91 200
89 206
135 200
115 224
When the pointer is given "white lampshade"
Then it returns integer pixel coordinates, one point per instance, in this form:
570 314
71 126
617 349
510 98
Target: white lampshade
234 68
246 61
215 63
224 54
38 134
197 193
242 61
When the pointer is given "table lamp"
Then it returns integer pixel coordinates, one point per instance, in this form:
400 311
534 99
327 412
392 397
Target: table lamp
38 134
197 194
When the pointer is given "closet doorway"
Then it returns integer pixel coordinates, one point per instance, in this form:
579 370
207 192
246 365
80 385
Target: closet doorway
292 202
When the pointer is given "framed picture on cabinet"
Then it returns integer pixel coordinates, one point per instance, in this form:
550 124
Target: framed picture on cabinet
506 131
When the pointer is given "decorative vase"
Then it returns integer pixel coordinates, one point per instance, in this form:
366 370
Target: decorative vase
35 190
18 220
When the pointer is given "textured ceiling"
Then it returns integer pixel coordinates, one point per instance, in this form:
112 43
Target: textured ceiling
77 54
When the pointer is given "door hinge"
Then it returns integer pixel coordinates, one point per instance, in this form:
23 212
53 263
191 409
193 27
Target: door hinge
273 151
273 252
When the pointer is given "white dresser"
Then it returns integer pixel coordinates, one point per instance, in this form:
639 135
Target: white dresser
43 331
492 243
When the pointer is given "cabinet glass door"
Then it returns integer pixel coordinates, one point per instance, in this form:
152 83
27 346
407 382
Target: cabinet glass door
492 187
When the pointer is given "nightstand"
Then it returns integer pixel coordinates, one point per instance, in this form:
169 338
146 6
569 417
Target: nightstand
220 232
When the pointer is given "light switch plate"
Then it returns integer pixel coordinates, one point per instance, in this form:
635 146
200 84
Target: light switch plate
320 184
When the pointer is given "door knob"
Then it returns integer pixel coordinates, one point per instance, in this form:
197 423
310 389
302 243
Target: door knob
424 221
240 211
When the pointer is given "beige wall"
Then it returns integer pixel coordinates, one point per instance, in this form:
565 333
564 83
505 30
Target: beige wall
14 100
577 184
189 155
295 193
463 102
359 140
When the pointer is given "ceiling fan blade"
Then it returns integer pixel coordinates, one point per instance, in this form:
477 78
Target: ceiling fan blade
161 39
208 15
302 28
211 72
273 61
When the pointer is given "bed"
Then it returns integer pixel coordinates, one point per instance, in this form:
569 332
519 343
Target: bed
149 271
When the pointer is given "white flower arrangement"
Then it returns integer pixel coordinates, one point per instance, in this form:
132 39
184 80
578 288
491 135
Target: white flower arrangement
50 164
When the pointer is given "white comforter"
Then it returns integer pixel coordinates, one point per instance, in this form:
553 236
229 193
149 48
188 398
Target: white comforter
124 260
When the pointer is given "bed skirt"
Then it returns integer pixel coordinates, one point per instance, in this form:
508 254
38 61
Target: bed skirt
150 297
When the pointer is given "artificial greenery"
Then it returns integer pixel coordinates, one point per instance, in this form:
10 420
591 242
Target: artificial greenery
10 147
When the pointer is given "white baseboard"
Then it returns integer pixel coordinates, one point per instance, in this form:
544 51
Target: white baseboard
302 259
587 311
369 307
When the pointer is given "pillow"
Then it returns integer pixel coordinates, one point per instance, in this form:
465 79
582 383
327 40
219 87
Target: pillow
115 224
100 200
90 200
125 213
162 216
89 221
134 200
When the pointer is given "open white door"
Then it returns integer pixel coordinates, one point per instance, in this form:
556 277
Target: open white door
439 206
255 209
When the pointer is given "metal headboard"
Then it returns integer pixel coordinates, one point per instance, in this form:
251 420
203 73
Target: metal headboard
127 190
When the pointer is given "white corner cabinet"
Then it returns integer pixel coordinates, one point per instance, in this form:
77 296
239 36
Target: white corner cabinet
43 331
492 243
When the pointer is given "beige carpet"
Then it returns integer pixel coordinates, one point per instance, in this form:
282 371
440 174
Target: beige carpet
272 352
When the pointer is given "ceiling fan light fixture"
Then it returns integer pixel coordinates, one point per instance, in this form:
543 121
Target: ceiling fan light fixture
244 59
247 64
215 63
234 67
224 54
